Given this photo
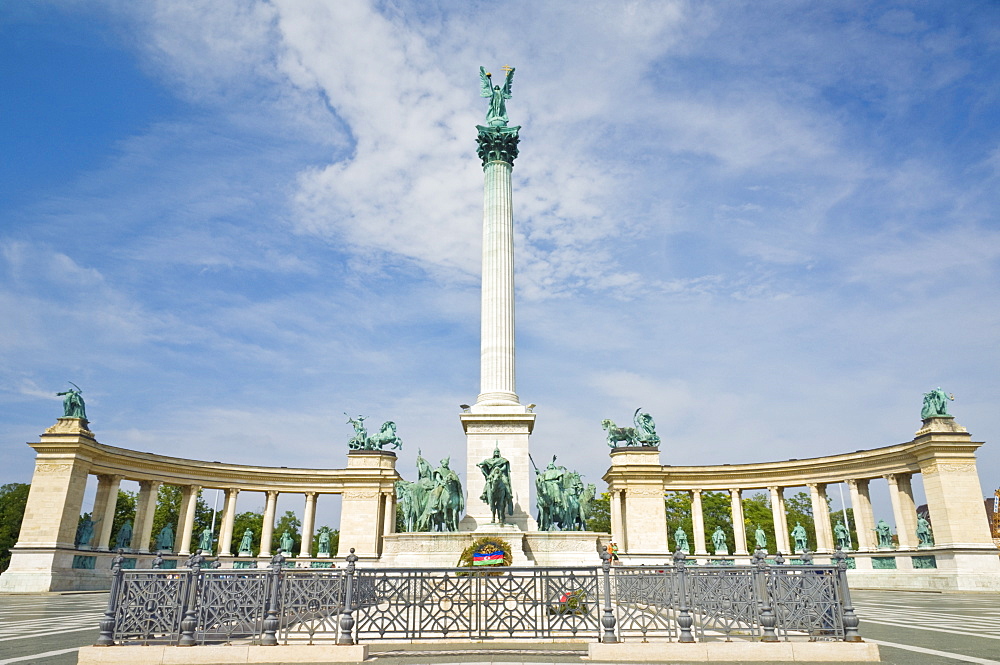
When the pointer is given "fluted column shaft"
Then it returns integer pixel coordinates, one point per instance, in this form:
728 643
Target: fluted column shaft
185 526
698 523
308 522
864 521
267 531
228 522
145 509
780 520
497 385
739 525
104 510
821 518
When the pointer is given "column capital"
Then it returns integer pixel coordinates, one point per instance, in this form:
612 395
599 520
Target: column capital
497 144
233 490
272 492
696 491
311 494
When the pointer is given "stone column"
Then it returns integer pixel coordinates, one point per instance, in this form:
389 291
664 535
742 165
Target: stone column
185 524
104 510
267 531
308 522
228 522
698 523
821 518
780 520
904 534
145 510
389 516
739 522
908 508
497 149
864 520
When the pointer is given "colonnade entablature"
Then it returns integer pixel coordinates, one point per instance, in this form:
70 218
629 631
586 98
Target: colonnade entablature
941 452
67 454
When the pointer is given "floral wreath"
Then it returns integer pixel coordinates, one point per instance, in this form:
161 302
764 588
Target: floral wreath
485 545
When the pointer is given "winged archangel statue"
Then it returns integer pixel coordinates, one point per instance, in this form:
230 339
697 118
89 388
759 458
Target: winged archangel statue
497 114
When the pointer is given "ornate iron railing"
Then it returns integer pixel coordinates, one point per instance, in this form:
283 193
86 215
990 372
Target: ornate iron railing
273 605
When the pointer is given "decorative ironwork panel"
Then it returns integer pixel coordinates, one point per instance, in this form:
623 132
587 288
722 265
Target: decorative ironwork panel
722 601
311 603
571 601
807 600
150 606
231 604
645 601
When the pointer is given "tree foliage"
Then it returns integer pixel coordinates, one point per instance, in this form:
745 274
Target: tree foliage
600 514
13 498
124 512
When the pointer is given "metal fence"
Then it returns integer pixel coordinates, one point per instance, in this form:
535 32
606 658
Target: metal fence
280 605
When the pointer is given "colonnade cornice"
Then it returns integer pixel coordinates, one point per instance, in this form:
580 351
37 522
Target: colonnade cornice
138 466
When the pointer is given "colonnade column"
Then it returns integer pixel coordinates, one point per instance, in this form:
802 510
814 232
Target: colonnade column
821 518
389 516
780 520
904 510
145 509
267 531
308 522
739 525
228 522
104 510
698 521
185 526
864 520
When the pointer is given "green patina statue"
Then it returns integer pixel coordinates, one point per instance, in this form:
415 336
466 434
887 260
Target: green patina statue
246 543
800 537
719 541
286 542
73 406
205 543
842 536
124 538
84 532
497 493
435 501
884 534
936 404
681 538
324 541
562 499
496 116
386 436
165 539
924 536
760 538
643 434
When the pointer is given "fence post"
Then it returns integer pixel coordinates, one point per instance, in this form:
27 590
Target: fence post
767 618
346 620
158 561
684 620
851 620
106 638
269 638
608 620
190 620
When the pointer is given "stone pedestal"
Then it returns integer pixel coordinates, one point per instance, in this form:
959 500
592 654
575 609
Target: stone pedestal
508 428
365 505
638 514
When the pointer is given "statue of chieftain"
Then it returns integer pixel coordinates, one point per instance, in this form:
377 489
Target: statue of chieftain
497 114
497 493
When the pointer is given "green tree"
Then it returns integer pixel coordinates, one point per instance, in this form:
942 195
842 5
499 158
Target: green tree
248 520
600 514
124 512
13 498
678 507
290 523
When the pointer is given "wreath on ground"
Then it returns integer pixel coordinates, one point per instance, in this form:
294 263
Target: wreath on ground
485 545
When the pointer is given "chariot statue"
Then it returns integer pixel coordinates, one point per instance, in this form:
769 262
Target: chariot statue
386 436
936 404
642 434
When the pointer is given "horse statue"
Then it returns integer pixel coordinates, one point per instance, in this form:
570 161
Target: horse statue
626 435
501 502
586 499
569 519
386 436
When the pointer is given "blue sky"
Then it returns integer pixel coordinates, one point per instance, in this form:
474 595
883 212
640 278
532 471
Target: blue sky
773 225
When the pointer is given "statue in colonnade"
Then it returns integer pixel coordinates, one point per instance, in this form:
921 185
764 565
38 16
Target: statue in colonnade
124 538
719 541
246 544
760 538
842 535
884 535
924 536
681 538
800 537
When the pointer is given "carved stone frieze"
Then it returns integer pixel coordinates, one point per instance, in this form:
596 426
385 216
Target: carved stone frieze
949 467
474 428
361 494
52 468
644 491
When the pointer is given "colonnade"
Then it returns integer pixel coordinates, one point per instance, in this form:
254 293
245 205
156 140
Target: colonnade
942 452
46 557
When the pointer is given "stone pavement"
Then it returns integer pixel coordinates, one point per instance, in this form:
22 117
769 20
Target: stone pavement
911 628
